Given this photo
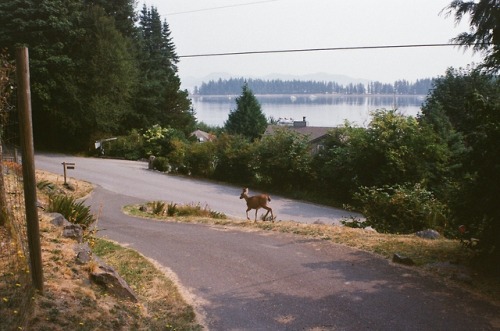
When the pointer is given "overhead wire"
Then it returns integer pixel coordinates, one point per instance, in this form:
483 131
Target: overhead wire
319 49
220 7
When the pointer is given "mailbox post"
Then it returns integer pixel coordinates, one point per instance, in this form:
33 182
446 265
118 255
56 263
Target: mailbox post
67 165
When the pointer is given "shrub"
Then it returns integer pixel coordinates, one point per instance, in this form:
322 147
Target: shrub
129 147
73 211
401 209
161 163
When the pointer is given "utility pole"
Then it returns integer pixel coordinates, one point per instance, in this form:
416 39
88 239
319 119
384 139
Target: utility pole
28 154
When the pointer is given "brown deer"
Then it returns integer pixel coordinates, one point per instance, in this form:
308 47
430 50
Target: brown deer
256 202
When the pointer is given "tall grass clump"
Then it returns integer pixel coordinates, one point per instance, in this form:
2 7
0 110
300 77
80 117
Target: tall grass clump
74 211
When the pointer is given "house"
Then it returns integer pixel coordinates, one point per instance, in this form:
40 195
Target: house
203 136
315 134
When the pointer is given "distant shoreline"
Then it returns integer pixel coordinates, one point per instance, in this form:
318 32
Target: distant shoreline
310 95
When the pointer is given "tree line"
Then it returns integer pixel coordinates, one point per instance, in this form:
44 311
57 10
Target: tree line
232 86
98 69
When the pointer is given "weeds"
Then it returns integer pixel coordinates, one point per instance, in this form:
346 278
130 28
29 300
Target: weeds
73 211
159 208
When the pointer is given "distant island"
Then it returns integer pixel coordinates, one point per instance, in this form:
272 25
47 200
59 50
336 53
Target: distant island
232 86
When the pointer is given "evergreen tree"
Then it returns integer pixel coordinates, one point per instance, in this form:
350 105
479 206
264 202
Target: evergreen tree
484 35
247 119
159 99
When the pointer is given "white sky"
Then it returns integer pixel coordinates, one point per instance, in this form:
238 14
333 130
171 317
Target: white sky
258 25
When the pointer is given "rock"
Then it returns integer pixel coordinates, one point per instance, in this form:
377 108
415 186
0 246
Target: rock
397 258
108 278
58 219
319 222
428 234
73 231
83 253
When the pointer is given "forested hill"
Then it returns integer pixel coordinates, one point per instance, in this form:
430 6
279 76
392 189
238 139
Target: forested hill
233 86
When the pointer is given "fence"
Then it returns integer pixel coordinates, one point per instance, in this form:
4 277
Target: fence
17 284
16 287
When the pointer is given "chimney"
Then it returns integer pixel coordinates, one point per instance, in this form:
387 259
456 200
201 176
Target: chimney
300 124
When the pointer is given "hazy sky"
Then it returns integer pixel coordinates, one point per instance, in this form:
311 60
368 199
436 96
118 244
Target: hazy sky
220 26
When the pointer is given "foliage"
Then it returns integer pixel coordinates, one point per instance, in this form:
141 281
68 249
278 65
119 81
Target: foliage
130 147
393 149
171 209
158 207
159 140
107 75
158 99
75 212
484 34
234 159
284 160
200 159
161 163
467 104
401 208
247 119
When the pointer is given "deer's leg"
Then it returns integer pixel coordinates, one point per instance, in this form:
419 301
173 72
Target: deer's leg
269 209
256 210
248 218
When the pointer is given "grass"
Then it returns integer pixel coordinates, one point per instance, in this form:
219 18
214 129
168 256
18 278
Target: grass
71 302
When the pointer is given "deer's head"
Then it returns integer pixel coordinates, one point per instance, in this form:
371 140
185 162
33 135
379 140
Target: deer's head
244 193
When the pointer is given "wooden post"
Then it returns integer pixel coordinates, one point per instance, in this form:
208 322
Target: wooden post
28 154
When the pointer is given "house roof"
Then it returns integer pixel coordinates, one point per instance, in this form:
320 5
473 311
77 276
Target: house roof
313 132
202 136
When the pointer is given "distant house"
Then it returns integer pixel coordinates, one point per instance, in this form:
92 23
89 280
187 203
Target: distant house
315 134
203 136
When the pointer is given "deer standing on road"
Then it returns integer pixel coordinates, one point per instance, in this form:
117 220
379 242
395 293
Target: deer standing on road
256 202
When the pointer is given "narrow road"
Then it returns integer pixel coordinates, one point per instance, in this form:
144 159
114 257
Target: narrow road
134 179
256 280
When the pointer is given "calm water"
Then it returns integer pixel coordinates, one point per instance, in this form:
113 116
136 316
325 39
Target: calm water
320 110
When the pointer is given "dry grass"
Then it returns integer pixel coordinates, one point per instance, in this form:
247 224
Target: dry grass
71 302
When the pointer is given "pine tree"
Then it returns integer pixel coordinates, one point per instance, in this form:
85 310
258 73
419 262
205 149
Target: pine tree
159 98
247 119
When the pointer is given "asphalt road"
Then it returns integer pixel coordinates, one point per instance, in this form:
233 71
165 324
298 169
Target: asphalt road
134 179
255 280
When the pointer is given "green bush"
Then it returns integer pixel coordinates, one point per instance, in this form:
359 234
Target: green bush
401 209
75 212
129 147
161 163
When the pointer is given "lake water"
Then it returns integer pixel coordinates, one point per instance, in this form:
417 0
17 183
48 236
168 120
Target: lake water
319 110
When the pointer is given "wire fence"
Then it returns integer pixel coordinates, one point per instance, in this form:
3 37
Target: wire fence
16 286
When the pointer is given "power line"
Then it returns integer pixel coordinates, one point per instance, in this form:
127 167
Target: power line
317 50
221 7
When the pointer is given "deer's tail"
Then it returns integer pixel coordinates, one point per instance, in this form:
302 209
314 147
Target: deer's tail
268 198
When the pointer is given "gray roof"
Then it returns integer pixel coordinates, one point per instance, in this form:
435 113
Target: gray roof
313 132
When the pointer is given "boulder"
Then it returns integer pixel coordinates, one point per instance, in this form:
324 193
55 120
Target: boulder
83 253
428 234
58 219
74 231
108 278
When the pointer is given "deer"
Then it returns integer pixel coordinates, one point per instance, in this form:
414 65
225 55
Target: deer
256 202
